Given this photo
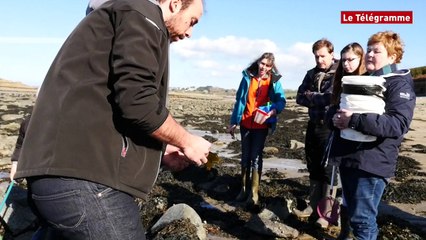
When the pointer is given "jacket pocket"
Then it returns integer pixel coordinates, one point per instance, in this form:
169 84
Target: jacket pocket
139 166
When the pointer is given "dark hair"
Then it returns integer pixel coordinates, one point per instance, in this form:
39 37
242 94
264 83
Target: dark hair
337 82
323 42
254 66
185 3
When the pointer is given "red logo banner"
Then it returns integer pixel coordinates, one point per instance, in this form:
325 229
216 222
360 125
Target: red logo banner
376 17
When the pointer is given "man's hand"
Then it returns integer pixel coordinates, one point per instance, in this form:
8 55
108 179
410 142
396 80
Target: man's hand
341 118
174 159
196 149
309 94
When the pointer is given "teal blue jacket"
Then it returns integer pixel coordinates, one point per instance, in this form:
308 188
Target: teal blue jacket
276 96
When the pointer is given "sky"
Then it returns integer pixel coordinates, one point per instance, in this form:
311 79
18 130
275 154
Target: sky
230 35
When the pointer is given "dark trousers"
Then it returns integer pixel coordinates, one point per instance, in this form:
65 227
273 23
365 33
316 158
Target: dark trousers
317 135
77 209
252 144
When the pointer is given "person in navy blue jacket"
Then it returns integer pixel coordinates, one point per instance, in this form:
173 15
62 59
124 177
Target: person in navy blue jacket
366 167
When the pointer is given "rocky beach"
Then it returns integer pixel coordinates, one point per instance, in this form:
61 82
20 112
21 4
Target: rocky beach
198 203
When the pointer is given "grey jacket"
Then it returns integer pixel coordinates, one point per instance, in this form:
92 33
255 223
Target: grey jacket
103 95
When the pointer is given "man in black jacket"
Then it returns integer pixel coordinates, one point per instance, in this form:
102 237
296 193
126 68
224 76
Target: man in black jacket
100 126
315 94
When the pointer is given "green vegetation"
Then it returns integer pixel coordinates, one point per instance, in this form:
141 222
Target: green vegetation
418 72
290 94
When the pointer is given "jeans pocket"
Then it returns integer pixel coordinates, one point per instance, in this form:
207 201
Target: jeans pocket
64 210
100 190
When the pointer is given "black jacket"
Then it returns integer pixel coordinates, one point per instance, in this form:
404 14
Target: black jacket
104 94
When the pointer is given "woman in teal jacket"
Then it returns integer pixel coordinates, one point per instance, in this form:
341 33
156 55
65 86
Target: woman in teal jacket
259 89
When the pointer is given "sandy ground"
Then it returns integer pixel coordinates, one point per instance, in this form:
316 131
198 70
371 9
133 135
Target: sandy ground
417 133
416 136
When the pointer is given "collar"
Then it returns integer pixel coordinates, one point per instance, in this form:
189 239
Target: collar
390 68
154 2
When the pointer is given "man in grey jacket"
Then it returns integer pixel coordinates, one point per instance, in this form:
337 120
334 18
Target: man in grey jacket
100 127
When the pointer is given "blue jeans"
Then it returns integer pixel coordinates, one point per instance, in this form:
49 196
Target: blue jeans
252 144
363 192
77 209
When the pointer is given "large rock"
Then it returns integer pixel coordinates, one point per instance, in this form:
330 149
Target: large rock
179 212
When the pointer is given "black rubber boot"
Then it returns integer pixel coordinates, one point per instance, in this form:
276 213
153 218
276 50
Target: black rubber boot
345 228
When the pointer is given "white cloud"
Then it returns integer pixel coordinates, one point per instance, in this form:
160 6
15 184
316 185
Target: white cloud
229 46
194 62
219 62
207 64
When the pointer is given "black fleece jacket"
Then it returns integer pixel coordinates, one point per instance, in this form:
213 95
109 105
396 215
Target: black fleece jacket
104 94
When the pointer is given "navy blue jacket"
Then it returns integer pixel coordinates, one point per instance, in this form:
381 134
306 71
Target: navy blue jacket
378 157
